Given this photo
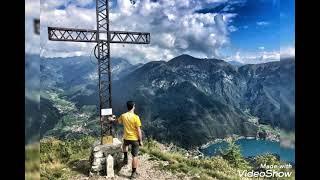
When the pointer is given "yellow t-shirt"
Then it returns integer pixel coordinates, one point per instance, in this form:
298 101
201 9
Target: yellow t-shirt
131 122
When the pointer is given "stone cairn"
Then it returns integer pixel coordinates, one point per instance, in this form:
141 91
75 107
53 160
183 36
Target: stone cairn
106 158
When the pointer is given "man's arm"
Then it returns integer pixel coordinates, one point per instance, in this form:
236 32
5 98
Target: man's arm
138 125
140 136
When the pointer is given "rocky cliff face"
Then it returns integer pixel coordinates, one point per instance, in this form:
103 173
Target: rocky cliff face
186 100
270 92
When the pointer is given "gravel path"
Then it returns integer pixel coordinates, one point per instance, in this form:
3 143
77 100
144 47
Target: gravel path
147 170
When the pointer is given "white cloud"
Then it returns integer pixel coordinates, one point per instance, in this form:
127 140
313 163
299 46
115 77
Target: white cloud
167 40
255 58
263 23
287 52
261 48
232 28
174 26
238 57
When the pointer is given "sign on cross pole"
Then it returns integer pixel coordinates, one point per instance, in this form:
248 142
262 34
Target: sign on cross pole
102 53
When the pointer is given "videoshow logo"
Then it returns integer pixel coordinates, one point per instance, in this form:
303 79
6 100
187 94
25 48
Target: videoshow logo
269 173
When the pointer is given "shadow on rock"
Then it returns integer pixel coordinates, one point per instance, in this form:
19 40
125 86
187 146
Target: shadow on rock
81 166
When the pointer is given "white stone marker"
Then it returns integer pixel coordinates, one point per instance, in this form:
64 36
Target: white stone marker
109 166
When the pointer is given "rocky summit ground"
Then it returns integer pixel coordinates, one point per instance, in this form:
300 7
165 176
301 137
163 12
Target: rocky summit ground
147 169
69 160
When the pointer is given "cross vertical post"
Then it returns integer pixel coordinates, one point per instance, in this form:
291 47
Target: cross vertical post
104 69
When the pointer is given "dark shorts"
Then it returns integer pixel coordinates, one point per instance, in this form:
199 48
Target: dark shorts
134 146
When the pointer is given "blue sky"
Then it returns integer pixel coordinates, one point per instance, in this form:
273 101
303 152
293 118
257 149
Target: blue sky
260 25
249 31
287 23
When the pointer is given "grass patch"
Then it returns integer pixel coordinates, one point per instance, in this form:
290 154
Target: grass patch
32 162
208 168
63 159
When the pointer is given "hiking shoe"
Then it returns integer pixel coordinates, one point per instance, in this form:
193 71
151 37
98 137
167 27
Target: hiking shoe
134 175
125 161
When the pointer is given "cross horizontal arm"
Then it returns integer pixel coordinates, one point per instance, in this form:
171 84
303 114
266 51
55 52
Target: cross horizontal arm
84 35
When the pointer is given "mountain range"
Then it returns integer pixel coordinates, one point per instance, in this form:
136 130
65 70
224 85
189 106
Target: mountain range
186 100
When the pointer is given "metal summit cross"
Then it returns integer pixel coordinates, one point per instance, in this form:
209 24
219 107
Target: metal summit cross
103 37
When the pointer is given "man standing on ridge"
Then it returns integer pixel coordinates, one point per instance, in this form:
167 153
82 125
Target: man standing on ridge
132 135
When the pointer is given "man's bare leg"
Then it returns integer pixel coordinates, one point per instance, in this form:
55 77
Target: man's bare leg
134 173
124 148
135 162
125 153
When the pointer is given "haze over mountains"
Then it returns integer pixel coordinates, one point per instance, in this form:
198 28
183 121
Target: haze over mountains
188 101
32 98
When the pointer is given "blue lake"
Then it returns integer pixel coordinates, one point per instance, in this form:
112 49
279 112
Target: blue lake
253 147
